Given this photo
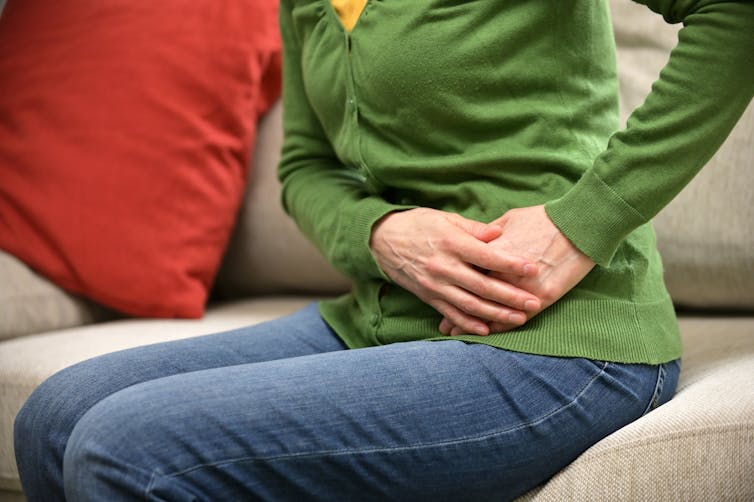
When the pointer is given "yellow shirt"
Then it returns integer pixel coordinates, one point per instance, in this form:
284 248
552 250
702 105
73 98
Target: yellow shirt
348 11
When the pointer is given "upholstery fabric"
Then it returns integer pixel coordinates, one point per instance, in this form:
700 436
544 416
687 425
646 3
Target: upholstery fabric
29 303
267 253
709 258
25 362
11 496
125 141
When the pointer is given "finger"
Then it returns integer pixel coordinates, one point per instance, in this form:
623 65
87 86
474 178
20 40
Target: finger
483 285
497 327
492 288
479 230
480 308
445 326
478 253
456 317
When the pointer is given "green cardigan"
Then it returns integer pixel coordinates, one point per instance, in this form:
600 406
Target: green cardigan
480 107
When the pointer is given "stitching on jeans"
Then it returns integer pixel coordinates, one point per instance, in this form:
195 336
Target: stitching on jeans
481 437
152 474
659 384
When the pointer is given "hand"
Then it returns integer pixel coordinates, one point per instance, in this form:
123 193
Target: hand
528 232
437 256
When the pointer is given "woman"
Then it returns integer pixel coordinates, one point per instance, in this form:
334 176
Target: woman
453 159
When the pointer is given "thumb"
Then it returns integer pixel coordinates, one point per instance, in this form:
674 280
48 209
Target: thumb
487 233
482 231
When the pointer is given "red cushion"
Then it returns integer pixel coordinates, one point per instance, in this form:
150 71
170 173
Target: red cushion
125 131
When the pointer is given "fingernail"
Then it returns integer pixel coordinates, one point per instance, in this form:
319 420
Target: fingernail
530 269
531 305
517 318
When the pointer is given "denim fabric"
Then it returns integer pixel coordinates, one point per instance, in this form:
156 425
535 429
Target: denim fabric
280 411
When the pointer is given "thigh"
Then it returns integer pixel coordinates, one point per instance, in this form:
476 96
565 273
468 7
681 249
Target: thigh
442 420
301 333
47 418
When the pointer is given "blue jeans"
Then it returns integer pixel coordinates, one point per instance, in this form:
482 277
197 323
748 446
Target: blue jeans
280 411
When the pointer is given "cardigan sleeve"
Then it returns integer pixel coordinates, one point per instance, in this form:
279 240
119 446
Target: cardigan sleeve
700 94
328 201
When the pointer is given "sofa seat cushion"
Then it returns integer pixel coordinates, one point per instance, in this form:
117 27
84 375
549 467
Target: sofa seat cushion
697 447
700 442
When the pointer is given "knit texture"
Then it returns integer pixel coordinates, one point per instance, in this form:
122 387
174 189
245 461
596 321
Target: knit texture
477 108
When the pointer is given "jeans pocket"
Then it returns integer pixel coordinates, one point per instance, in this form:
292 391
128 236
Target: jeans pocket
667 380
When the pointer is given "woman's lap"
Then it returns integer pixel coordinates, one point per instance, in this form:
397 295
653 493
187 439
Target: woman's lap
424 419
46 420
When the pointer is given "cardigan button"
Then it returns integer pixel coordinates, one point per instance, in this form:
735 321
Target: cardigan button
374 320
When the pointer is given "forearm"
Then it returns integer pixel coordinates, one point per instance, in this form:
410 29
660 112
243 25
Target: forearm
327 200
702 91
333 210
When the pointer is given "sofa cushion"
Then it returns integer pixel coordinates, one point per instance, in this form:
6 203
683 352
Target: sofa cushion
703 436
29 303
706 234
267 253
125 141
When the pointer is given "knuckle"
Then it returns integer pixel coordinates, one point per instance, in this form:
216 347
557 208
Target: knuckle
502 315
549 293
457 319
468 305
445 242
488 256
426 283
480 286
435 266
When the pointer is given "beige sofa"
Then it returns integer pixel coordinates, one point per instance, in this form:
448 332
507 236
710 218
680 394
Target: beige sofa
700 446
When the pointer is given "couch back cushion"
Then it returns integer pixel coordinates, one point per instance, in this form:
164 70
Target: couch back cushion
267 253
29 303
706 235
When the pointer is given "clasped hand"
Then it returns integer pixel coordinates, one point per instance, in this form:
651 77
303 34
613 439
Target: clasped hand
483 278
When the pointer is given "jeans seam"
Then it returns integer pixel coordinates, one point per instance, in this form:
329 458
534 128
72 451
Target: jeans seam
481 437
152 474
657 393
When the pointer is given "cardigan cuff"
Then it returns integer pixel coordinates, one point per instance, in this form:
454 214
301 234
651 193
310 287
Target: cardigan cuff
359 229
594 217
